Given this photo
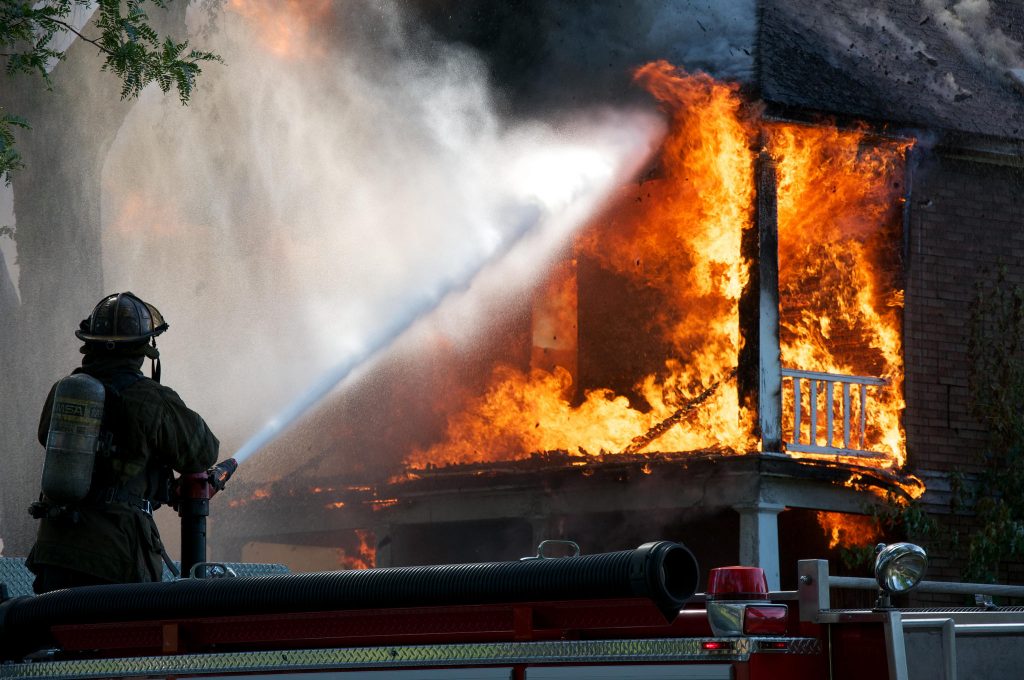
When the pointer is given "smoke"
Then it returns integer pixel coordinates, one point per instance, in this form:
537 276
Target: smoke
555 54
882 36
971 26
343 173
716 37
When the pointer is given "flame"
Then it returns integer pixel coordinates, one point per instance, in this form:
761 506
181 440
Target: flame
258 494
321 489
839 222
382 503
910 488
676 238
365 554
285 29
849 530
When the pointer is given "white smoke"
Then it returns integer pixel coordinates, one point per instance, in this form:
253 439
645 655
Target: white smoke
970 26
892 51
300 211
897 50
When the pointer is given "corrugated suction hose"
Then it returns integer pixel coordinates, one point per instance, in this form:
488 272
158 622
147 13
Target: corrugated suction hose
663 571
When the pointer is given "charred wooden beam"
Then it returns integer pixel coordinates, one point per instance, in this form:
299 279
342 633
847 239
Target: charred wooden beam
641 442
759 375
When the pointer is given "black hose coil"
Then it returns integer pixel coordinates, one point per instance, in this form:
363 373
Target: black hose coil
663 571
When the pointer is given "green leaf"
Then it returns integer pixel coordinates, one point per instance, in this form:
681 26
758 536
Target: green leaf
132 50
10 160
995 348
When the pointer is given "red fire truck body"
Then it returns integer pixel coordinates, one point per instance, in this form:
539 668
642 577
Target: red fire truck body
245 627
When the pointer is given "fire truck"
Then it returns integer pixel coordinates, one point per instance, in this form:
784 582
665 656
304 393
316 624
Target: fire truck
621 615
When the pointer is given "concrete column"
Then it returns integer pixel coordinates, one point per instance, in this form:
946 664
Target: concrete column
759 539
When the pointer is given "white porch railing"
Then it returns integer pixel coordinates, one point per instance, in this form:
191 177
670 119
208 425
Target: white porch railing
854 429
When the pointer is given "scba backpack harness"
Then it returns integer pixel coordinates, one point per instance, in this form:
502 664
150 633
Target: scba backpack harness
81 431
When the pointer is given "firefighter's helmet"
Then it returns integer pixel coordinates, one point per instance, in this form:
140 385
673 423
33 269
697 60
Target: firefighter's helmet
121 319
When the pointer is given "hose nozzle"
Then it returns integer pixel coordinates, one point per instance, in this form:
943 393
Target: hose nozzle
220 473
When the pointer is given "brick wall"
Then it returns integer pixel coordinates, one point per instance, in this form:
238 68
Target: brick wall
965 216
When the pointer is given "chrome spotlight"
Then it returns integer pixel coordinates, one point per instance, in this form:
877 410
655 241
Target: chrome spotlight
899 567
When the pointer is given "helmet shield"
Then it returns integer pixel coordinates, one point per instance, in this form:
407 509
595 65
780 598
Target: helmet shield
121 318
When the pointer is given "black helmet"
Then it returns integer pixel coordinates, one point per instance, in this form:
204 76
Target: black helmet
121 319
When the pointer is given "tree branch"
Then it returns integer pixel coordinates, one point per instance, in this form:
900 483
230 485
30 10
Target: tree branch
71 28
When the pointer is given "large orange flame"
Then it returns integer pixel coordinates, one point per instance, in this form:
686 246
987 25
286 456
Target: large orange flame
364 554
849 530
839 232
677 239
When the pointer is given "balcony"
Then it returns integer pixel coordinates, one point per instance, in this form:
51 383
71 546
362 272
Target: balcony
809 433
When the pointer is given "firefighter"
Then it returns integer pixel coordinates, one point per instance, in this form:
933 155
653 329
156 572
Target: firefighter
145 433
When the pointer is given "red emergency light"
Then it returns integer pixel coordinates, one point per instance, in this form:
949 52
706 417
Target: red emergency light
738 604
737 583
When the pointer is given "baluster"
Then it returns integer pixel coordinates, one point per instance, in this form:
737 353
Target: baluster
863 413
829 404
796 409
846 415
855 425
814 413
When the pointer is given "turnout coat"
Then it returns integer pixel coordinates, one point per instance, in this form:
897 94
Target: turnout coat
112 535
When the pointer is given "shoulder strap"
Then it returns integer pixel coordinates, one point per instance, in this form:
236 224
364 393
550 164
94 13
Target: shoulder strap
112 429
158 478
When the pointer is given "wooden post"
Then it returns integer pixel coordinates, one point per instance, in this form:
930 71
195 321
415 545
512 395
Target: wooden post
760 369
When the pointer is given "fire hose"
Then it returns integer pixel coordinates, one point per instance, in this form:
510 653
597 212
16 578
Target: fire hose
191 498
664 572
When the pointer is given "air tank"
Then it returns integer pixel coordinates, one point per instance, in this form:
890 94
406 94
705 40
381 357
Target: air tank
72 441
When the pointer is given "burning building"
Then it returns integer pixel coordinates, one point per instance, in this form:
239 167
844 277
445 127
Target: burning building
762 333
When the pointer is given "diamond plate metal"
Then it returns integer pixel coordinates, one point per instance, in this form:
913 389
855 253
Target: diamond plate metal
18 578
483 654
804 645
241 569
